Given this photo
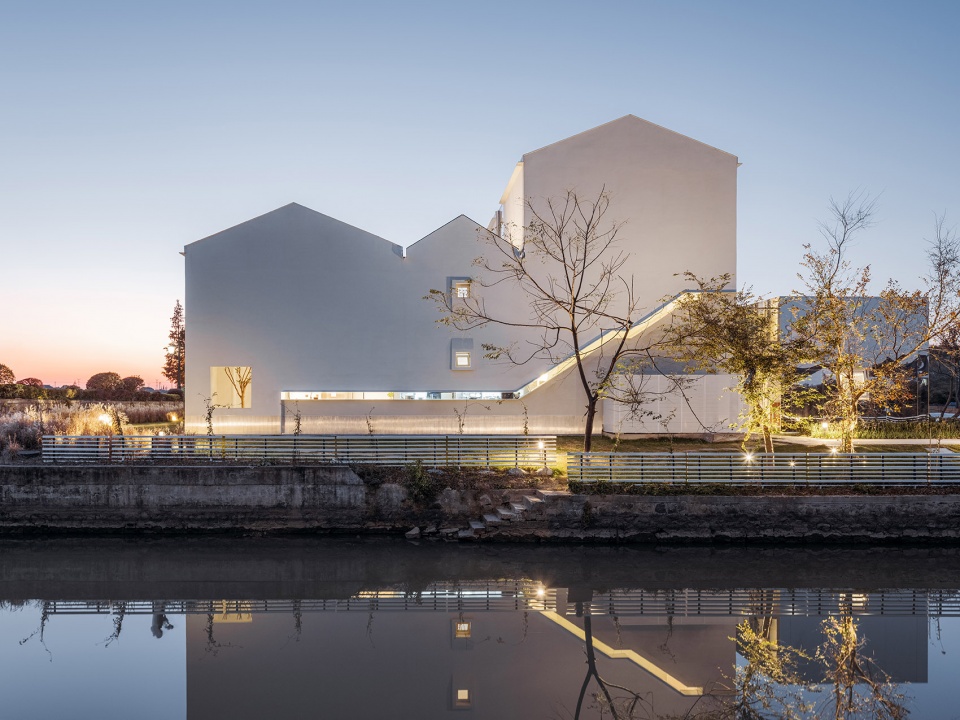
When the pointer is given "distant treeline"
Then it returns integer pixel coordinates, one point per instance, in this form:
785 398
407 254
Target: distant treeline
17 391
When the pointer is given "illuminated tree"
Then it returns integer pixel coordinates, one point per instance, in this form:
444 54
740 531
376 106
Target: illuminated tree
718 328
864 343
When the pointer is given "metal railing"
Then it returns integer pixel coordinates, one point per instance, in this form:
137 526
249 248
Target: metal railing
519 595
817 469
391 450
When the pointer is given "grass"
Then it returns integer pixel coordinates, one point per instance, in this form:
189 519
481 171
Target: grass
22 425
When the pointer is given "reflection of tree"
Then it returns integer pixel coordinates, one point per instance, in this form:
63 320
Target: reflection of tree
212 646
859 687
767 684
297 619
768 687
117 624
44 617
369 629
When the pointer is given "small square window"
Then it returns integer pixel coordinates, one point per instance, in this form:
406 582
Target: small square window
462 698
462 630
461 289
461 360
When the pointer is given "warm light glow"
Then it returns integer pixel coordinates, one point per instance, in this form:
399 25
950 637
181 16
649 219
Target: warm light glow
793 463
462 630
105 419
748 457
824 424
161 433
463 696
540 445
834 450
173 417
541 592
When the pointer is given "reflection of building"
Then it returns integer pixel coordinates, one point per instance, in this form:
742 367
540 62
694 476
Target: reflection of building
313 311
521 657
497 648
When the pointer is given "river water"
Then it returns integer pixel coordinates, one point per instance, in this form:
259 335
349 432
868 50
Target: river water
321 628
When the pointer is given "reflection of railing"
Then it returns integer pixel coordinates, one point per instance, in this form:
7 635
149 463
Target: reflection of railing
509 596
776 602
820 469
395 450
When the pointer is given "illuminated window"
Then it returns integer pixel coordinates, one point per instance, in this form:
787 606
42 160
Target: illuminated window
460 288
461 360
231 386
462 698
462 630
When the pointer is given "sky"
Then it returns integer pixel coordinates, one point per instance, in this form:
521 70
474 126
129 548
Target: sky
128 130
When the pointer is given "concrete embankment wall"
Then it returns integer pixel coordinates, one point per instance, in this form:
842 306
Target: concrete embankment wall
44 499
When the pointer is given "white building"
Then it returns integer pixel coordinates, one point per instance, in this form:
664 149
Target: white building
331 325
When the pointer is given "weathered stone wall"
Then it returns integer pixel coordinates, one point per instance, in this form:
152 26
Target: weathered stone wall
44 499
738 518
179 498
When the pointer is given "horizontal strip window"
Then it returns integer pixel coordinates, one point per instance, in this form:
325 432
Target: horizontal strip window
397 395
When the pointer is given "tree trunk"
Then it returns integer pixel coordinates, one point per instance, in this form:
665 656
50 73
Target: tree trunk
588 427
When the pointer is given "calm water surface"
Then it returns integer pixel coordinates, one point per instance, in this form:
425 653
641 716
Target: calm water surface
326 628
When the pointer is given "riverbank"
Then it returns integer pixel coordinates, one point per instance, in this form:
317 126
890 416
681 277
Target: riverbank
278 500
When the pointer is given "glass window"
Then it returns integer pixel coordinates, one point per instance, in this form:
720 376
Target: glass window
461 360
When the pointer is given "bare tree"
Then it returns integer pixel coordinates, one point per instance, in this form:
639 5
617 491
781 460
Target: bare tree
239 378
579 304
863 343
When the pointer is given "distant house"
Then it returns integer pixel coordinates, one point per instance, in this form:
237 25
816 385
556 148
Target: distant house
295 314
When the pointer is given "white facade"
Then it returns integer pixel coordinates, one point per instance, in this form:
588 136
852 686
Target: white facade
332 323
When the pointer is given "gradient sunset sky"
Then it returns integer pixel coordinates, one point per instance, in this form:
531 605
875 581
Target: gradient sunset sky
131 129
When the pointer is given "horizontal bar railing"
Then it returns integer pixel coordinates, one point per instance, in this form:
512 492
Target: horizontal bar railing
389 450
494 596
815 469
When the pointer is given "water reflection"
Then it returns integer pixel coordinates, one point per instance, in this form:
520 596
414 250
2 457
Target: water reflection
400 631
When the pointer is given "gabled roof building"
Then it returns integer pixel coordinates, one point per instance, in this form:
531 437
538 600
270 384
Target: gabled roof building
296 316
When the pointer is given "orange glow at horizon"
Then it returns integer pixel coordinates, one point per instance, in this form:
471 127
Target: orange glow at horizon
67 346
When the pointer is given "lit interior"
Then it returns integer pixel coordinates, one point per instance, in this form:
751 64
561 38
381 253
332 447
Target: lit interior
396 395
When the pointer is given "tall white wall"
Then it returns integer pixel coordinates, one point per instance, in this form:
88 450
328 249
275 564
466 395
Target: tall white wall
677 196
